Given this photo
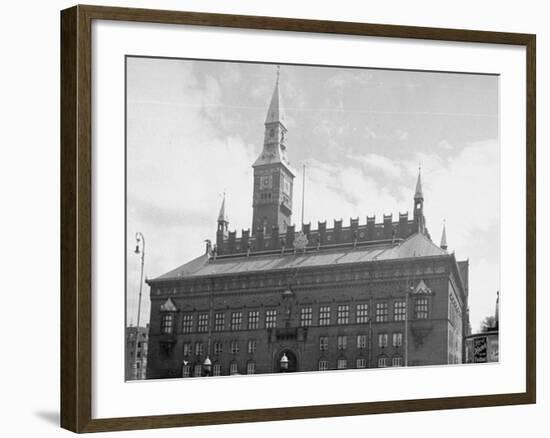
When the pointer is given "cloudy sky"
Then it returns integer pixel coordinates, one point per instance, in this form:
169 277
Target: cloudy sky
194 129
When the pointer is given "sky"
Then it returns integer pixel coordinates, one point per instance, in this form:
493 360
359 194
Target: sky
194 128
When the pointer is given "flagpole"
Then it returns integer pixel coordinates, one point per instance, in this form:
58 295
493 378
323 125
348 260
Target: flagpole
303 192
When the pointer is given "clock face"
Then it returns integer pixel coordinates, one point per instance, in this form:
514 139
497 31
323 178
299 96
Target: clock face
266 182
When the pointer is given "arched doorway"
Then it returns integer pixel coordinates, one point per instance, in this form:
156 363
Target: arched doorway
292 362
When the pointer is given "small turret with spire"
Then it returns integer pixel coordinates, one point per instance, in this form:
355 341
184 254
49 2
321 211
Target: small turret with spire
443 244
223 226
419 204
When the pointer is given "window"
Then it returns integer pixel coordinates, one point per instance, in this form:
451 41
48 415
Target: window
270 318
342 314
381 312
203 323
187 349
397 339
306 316
218 348
324 315
236 320
382 340
187 326
251 346
233 368
421 308
399 311
323 343
250 368
185 371
397 361
342 342
234 347
362 313
199 349
253 320
166 323
361 363
382 362
361 341
219 322
323 365
197 370
217 370
341 364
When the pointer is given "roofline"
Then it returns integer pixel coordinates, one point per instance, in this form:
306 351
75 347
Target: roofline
304 268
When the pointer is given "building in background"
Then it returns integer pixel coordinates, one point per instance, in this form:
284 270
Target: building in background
483 346
137 340
278 299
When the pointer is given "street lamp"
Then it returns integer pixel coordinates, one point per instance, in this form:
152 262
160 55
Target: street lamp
284 363
139 239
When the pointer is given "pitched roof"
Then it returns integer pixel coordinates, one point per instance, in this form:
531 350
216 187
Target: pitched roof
417 245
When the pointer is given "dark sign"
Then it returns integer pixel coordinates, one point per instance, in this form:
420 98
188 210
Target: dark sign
480 349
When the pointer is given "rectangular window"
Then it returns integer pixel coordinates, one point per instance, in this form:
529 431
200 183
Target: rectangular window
236 320
166 323
197 370
421 308
323 343
342 342
199 349
397 339
187 349
250 368
217 369
361 363
342 314
382 340
306 316
381 312
271 318
361 341
324 315
234 347
397 361
362 313
187 325
251 346
233 368
218 348
399 310
323 365
382 362
203 323
341 364
219 322
253 320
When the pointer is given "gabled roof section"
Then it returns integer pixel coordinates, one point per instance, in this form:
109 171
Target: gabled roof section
418 245
168 306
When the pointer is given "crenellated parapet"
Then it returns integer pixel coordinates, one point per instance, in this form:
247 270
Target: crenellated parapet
308 239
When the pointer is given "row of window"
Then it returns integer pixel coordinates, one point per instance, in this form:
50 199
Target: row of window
361 341
306 317
234 347
197 370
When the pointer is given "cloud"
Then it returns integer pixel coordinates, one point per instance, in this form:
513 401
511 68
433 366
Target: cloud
379 163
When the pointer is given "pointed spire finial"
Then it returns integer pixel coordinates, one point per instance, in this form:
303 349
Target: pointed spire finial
278 73
443 244
221 216
418 192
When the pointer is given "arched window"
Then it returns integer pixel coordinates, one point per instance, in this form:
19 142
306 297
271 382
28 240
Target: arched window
217 369
323 365
233 368
250 368
185 370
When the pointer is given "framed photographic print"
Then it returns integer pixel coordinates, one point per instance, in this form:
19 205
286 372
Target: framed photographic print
268 218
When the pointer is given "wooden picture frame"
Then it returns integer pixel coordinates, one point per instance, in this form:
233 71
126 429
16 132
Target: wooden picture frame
76 217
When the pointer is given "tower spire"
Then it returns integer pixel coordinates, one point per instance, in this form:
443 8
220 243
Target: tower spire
222 216
275 113
418 192
443 244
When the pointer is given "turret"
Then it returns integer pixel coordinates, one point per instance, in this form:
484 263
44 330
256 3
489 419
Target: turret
443 244
223 224
419 205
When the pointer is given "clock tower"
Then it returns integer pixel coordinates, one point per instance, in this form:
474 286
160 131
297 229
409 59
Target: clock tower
273 176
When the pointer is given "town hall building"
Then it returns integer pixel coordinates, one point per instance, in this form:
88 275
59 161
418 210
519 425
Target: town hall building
280 299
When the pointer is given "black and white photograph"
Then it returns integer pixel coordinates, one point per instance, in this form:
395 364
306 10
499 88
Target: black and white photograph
289 218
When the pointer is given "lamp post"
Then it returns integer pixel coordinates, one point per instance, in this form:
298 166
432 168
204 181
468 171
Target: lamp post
139 239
